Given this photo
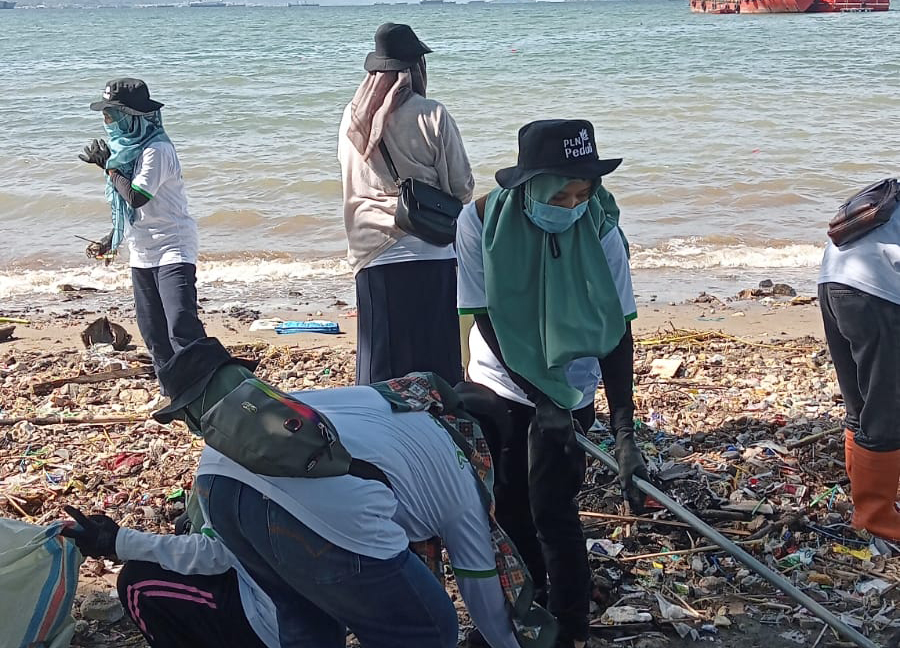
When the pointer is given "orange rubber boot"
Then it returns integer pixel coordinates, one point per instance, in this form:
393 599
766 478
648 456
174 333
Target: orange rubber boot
848 449
873 487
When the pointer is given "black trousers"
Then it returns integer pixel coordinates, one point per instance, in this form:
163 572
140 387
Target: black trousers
535 487
165 303
176 611
407 321
863 334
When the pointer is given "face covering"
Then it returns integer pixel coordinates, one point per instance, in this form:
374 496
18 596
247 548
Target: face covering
121 125
553 219
128 135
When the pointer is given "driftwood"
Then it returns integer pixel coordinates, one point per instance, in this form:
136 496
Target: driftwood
73 420
684 552
608 517
41 389
812 438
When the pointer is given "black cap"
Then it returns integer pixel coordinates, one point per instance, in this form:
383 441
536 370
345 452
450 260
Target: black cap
396 48
131 96
187 374
564 147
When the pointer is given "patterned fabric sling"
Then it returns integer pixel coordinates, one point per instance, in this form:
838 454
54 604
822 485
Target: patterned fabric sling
425 392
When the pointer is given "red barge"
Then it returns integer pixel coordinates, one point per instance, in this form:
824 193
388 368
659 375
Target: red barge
787 6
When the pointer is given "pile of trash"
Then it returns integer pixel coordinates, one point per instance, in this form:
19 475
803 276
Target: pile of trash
747 436
744 434
75 428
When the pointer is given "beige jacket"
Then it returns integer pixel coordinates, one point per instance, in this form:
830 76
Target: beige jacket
425 144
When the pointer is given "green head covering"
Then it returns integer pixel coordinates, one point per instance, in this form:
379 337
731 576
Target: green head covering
551 297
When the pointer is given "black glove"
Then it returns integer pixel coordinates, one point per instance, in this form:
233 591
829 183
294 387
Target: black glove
95 535
97 152
631 463
555 423
99 249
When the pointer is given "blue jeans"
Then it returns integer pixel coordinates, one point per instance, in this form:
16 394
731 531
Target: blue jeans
319 589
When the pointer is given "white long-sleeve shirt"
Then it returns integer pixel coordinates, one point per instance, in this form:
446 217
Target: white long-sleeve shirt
201 554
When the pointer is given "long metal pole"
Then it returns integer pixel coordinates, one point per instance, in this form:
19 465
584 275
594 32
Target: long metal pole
714 536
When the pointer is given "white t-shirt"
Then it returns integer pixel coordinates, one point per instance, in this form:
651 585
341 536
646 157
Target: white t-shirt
582 374
412 248
435 493
434 488
163 231
870 264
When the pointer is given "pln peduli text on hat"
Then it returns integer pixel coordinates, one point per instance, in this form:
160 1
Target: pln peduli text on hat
188 373
396 48
564 147
131 96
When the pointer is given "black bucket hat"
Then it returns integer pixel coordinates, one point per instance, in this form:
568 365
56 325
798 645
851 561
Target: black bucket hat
396 48
564 147
187 374
131 96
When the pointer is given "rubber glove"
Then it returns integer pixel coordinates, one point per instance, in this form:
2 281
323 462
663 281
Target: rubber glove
631 463
97 152
94 535
555 423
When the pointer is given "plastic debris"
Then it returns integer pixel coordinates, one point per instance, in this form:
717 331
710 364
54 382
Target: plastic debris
312 326
624 614
604 547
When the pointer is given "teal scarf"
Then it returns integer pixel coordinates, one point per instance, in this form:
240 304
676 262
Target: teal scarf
551 297
128 136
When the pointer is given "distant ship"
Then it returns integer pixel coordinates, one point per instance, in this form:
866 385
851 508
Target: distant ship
207 3
787 6
7 5
849 6
436 2
303 4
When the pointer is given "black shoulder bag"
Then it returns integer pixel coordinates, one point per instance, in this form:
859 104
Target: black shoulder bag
864 211
422 210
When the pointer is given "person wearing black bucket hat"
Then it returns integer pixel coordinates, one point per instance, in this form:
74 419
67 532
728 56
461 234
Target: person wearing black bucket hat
405 286
145 191
317 556
543 268
396 48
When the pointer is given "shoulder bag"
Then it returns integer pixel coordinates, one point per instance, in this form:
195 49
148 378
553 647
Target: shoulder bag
422 210
864 211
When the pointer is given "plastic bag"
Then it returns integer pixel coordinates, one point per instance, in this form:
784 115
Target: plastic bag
38 578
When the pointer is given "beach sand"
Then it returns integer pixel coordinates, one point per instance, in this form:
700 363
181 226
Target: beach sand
749 373
748 319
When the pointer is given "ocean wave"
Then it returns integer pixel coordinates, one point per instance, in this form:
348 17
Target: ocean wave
219 272
698 253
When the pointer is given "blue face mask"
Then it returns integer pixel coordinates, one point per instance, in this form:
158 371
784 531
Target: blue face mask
554 219
121 126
